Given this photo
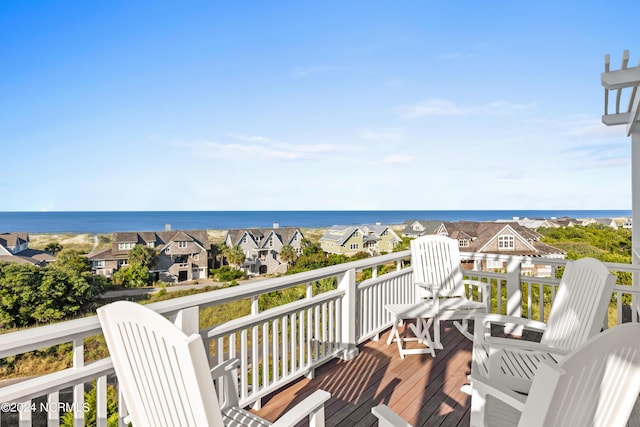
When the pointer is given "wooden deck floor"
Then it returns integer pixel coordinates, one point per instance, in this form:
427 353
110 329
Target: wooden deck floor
425 391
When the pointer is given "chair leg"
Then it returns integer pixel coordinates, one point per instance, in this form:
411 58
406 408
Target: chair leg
437 344
463 327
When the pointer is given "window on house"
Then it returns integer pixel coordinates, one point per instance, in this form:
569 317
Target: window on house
463 243
123 246
354 246
196 257
182 244
385 233
271 241
356 233
506 242
151 244
98 264
494 264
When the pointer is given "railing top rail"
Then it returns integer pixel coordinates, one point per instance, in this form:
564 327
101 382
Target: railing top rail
44 336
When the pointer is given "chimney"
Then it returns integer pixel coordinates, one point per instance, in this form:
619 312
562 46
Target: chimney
276 225
167 227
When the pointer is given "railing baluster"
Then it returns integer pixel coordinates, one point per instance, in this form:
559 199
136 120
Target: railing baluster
275 338
53 415
78 389
101 402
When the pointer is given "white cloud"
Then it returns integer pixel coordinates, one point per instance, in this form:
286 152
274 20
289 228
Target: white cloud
259 147
397 158
444 107
249 138
386 134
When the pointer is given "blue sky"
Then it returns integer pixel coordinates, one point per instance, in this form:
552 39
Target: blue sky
255 105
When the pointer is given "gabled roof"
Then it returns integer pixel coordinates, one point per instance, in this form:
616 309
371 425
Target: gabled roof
13 239
260 235
429 226
160 239
480 234
340 233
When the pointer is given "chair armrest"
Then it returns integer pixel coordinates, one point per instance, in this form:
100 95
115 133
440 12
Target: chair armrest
388 418
483 323
224 368
509 397
228 388
429 287
498 343
311 406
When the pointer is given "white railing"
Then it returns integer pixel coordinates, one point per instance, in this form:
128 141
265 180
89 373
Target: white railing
280 344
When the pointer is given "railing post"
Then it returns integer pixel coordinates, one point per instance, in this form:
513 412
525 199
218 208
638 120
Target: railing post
514 291
349 316
188 320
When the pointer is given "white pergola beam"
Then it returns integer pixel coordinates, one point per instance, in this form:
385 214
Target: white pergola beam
621 79
615 119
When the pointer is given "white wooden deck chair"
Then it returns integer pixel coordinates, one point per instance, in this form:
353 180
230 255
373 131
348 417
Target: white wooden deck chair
578 312
165 378
442 294
595 385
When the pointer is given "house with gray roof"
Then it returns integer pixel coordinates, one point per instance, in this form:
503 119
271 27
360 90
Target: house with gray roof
416 228
349 240
182 254
509 238
14 248
262 246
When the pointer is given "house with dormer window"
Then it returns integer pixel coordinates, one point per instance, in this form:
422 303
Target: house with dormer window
501 238
261 247
182 254
14 248
349 240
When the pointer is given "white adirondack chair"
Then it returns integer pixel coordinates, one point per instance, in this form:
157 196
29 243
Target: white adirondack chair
595 385
442 294
578 312
165 378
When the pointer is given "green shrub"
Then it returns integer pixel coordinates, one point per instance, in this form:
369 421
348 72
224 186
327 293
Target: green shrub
226 274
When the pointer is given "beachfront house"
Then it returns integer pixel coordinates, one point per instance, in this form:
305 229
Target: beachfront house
502 238
416 228
262 246
348 240
182 254
14 248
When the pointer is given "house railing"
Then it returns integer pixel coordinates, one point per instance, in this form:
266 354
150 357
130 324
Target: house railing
277 345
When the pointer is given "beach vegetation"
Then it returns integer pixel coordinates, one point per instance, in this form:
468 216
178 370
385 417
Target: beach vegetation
288 254
143 256
594 240
226 274
235 255
31 295
137 273
53 248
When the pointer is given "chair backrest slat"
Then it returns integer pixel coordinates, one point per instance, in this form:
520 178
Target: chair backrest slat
436 260
163 373
580 306
595 385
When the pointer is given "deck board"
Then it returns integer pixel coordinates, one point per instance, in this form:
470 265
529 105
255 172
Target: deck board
423 390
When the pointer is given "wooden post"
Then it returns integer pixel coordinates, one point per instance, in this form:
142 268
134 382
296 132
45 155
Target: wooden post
349 317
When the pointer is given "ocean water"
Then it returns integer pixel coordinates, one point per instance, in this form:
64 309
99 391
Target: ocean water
109 222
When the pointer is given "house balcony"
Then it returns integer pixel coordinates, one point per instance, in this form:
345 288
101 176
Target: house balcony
334 340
